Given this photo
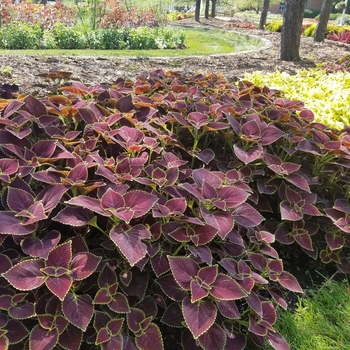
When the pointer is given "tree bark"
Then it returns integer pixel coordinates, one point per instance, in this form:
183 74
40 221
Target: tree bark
263 15
321 28
213 8
197 10
291 30
206 11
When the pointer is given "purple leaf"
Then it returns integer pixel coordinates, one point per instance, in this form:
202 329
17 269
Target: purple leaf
150 339
71 338
199 316
202 174
289 213
221 220
40 248
140 202
213 339
26 275
12 107
75 217
21 312
112 200
18 199
197 119
16 331
299 181
255 327
119 303
183 270
277 341
288 281
128 240
205 156
232 196
59 286
198 291
228 308
171 288
51 196
335 241
60 256
83 265
249 156
247 216
8 166
225 288
78 309
88 203
235 341
43 339
172 316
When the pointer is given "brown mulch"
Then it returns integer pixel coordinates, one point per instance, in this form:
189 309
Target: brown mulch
95 70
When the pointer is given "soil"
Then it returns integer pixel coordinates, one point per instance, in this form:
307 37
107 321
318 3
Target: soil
96 70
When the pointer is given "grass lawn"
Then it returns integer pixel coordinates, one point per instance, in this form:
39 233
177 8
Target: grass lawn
199 42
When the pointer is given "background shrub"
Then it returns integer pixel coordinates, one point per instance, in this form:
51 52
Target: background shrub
20 36
310 13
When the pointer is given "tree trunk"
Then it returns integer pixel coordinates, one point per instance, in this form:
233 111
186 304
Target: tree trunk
206 11
291 30
263 15
320 32
197 10
347 10
213 8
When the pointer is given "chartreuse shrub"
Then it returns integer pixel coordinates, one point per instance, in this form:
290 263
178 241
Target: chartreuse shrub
162 202
326 94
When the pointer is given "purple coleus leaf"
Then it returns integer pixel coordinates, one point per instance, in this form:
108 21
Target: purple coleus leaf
213 339
51 196
150 339
199 316
60 285
71 338
11 225
78 309
297 204
60 256
40 248
184 270
26 275
8 167
75 217
247 156
18 200
43 339
289 282
129 241
16 331
197 119
277 341
220 219
83 265
225 288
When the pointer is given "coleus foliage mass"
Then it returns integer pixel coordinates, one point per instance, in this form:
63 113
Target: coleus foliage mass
162 202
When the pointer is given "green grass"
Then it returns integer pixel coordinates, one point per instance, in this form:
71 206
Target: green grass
199 42
321 321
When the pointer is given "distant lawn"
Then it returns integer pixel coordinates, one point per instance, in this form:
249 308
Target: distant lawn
199 42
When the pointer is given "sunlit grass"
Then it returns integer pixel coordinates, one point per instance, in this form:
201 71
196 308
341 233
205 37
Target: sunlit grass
320 321
199 42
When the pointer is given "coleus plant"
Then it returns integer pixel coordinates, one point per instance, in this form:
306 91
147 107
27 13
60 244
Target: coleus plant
163 203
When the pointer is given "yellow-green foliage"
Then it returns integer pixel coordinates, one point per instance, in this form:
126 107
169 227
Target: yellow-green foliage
274 26
310 30
326 94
